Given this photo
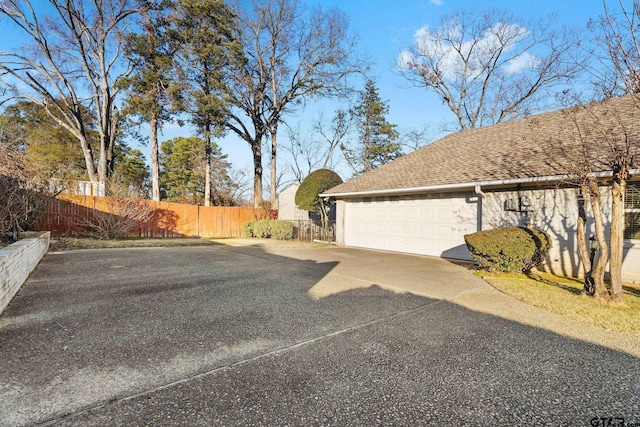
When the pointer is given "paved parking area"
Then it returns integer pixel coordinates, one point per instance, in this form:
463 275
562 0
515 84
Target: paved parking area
294 336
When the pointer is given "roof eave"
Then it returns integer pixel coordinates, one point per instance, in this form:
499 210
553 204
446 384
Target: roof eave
465 185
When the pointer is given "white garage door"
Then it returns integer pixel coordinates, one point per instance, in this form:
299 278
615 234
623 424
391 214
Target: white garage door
422 224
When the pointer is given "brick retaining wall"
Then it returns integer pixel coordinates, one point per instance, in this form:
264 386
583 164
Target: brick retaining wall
17 261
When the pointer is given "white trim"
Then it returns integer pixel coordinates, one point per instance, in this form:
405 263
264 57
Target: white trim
466 185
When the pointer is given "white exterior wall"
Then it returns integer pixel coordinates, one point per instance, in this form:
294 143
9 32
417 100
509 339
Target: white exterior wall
435 224
340 214
556 211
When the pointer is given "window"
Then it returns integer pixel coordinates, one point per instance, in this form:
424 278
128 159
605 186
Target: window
632 211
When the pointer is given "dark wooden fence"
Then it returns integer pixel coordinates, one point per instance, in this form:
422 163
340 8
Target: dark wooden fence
68 215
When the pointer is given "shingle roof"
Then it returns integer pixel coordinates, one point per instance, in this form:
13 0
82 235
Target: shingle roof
518 149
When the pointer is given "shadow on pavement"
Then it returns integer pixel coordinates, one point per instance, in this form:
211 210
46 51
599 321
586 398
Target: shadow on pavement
230 336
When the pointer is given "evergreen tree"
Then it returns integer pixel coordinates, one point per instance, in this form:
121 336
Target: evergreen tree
152 84
183 163
131 175
377 142
205 34
50 150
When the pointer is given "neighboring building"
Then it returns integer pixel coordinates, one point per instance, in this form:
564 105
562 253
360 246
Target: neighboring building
287 209
425 202
83 188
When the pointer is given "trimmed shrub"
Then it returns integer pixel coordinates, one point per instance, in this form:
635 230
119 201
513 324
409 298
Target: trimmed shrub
262 229
307 197
509 249
281 230
268 229
247 229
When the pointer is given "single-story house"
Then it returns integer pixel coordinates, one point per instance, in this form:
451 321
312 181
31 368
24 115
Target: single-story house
512 173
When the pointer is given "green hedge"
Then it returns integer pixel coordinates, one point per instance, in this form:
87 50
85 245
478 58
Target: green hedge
509 249
268 229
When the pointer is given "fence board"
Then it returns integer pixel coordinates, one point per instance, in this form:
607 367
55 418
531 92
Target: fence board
68 214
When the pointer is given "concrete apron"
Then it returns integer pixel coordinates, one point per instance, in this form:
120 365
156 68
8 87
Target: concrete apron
447 280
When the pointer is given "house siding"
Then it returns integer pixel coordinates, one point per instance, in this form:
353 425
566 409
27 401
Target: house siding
554 210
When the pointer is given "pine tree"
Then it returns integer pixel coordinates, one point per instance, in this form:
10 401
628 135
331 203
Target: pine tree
183 162
152 83
377 142
205 32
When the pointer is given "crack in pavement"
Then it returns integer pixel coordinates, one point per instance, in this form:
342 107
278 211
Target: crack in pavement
237 363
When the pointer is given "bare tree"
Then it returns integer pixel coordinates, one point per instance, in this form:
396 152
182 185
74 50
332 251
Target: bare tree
414 139
71 66
241 189
118 217
304 154
292 54
599 146
617 51
316 150
617 34
333 135
489 67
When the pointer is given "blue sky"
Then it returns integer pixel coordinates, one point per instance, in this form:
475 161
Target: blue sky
384 29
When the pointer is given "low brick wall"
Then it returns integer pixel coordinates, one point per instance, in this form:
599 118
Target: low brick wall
17 261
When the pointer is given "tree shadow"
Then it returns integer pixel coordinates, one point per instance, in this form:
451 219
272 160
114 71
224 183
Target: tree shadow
633 290
184 312
540 279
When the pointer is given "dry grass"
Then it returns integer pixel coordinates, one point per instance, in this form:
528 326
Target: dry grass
59 244
564 296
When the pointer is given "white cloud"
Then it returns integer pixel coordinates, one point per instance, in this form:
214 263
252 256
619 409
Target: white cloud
436 2
470 55
404 59
522 62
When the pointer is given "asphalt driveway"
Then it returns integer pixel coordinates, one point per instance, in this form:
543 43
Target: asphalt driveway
294 336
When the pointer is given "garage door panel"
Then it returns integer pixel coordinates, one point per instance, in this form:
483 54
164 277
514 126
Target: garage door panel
429 226
409 213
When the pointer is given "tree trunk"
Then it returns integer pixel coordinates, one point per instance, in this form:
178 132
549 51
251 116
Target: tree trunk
274 178
108 124
324 213
88 159
207 167
603 257
617 235
114 118
256 148
155 164
365 165
102 163
581 236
